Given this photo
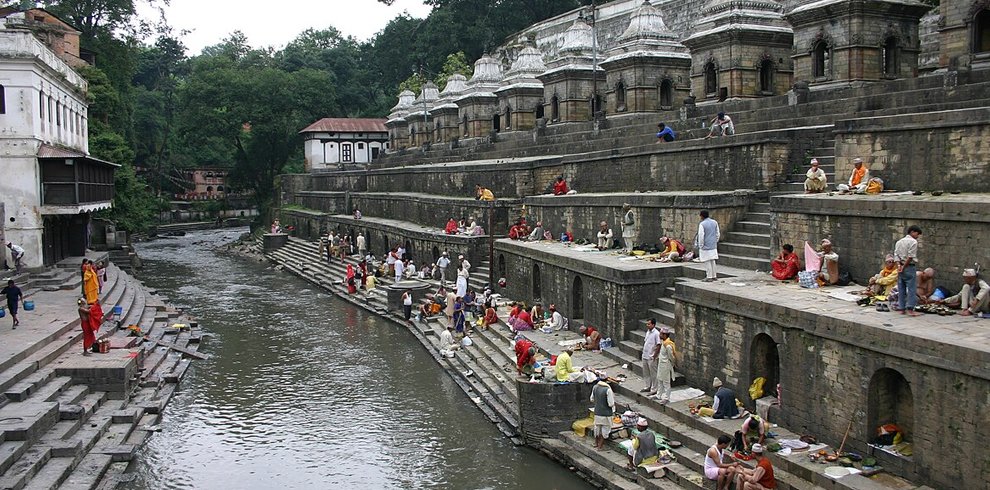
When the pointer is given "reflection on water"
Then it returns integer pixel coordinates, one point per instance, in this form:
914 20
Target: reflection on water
304 390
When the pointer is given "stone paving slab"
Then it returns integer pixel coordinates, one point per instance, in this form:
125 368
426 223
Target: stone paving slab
927 330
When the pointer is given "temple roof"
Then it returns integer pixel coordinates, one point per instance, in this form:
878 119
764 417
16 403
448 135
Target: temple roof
647 36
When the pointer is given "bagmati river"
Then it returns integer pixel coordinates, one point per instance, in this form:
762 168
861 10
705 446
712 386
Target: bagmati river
304 390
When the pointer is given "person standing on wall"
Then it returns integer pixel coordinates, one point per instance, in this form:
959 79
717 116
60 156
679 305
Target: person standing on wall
707 244
906 254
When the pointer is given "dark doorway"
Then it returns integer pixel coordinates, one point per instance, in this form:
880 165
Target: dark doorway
497 123
981 33
501 266
666 94
436 254
889 61
890 402
820 60
620 97
539 111
766 77
711 79
554 109
764 361
577 298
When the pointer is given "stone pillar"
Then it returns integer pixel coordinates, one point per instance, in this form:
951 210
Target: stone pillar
545 409
417 288
274 241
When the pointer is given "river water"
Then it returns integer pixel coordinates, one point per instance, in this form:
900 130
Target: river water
304 390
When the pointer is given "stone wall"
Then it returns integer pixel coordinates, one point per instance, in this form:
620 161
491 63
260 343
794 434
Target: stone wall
833 371
865 228
657 213
612 299
423 245
944 150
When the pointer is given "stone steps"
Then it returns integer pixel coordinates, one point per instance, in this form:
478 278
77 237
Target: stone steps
587 468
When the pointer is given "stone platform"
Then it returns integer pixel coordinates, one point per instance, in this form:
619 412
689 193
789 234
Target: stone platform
839 364
864 228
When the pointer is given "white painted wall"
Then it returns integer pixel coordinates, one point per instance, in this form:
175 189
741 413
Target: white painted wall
34 79
321 156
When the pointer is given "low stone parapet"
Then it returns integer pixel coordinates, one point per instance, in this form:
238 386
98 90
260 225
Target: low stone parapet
546 409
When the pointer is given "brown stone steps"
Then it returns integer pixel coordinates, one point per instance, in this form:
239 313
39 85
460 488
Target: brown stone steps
744 262
589 469
26 467
615 459
88 473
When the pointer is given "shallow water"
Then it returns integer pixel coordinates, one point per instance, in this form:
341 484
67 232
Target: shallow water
304 390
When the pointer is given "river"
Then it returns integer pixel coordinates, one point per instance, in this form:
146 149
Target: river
304 390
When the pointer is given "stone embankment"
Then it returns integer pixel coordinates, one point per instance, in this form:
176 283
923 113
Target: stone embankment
75 422
486 372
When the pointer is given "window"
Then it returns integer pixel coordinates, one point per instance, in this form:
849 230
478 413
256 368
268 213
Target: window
981 23
508 118
620 96
50 104
666 94
889 54
554 109
711 79
41 106
345 152
766 76
58 114
820 60
3 100
360 146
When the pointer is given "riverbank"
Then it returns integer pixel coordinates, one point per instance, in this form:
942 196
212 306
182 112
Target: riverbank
541 414
73 421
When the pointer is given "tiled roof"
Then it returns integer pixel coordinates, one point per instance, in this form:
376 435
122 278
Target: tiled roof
49 151
346 125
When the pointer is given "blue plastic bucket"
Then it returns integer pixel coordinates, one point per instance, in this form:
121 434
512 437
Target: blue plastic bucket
28 305
3 312
118 310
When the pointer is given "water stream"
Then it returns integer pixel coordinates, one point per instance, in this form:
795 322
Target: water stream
304 390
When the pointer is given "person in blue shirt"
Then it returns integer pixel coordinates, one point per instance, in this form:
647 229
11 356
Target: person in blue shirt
665 134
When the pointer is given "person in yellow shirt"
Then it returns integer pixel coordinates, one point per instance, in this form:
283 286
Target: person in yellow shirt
673 250
885 280
483 194
566 372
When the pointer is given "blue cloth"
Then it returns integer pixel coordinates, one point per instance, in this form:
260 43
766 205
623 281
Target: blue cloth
907 284
667 134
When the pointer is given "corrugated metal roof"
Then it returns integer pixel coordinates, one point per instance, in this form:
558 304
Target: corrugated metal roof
49 151
346 125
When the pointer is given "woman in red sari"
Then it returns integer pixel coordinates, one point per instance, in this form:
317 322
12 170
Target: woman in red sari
349 280
786 265
90 318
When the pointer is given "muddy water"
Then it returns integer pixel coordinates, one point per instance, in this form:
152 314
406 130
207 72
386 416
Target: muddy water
304 390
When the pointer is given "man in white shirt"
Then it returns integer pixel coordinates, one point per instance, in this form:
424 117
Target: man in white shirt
650 344
465 265
17 253
722 126
362 244
399 269
556 319
604 236
447 339
442 263
410 269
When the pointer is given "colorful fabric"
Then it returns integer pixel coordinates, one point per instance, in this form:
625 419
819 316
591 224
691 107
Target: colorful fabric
788 269
91 287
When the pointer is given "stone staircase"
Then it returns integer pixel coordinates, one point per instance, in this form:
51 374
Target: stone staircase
825 153
747 245
62 434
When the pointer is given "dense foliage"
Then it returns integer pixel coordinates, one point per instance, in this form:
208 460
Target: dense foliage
158 110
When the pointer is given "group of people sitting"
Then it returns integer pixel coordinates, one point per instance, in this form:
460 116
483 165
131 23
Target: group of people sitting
786 265
559 187
859 181
466 226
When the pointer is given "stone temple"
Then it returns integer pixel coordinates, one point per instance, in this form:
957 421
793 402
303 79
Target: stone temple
900 84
